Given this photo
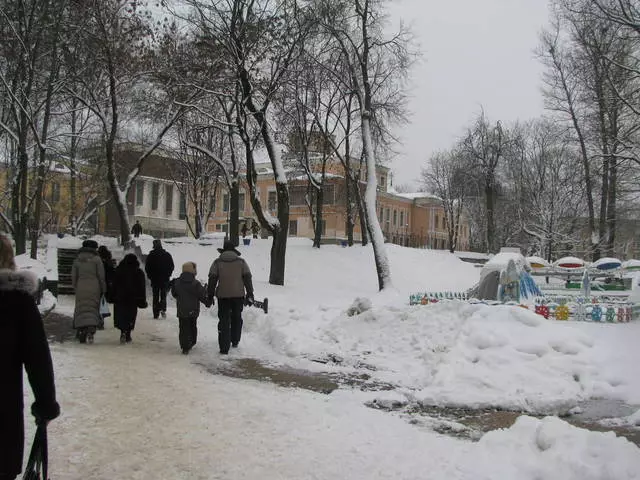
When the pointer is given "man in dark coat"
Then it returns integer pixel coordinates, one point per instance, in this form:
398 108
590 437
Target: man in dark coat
129 294
229 278
159 267
22 342
136 230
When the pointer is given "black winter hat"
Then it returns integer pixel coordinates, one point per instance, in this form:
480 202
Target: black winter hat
90 244
228 246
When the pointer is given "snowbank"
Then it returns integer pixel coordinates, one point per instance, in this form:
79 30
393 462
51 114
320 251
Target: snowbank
550 448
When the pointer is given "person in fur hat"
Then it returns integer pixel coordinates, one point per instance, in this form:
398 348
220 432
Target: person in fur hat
89 282
189 293
229 279
22 343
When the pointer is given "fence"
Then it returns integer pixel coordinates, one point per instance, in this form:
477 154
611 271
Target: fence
558 307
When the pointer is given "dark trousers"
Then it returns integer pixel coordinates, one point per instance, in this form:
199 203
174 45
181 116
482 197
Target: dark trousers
7 477
188 335
159 298
230 322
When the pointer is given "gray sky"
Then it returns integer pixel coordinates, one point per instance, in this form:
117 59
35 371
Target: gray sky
475 53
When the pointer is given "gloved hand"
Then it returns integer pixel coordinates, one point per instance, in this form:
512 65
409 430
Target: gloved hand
249 299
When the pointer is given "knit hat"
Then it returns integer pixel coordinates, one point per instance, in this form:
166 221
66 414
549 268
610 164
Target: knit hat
228 246
90 244
189 267
157 244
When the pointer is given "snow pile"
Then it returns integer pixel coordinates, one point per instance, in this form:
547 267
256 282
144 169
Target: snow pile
452 353
25 262
550 448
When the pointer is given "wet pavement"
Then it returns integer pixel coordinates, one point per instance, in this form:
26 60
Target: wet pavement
458 422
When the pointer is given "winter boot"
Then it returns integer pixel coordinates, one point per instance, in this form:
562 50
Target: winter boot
123 337
128 336
90 337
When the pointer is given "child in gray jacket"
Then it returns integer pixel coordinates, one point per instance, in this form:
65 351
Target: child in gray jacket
189 293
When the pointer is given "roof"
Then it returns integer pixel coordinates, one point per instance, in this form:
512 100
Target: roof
416 195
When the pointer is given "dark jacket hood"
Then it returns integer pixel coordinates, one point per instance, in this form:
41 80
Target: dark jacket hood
129 261
18 280
187 277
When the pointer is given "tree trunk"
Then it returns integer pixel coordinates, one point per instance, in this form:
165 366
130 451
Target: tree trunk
377 239
279 245
489 192
234 213
73 174
364 227
611 208
349 208
317 237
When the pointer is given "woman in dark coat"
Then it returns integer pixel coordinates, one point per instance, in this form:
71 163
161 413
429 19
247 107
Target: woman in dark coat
129 294
22 342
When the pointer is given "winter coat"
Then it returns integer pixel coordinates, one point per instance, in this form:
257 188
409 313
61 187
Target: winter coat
159 266
188 293
129 292
88 280
231 275
22 342
136 229
109 273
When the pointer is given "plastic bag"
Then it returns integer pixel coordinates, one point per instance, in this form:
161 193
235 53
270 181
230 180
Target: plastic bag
104 308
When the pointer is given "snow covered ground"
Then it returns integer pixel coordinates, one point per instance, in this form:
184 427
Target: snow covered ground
144 411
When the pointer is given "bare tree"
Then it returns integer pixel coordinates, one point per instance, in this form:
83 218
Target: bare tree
563 92
197 176
118 39
484 145
373 62
445 178
260 39
29 67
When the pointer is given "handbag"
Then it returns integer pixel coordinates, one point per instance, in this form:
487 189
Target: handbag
104 307
38 463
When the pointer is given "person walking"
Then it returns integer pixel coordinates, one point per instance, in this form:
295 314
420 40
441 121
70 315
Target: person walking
23 343
229 279
189 293
159 267
129 294
136 230
89 283
109 265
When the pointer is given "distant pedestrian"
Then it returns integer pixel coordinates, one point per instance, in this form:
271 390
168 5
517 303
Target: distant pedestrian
244 230
136 230
129 294
229 278
189 293
89 283
255 229
159 267
22 343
